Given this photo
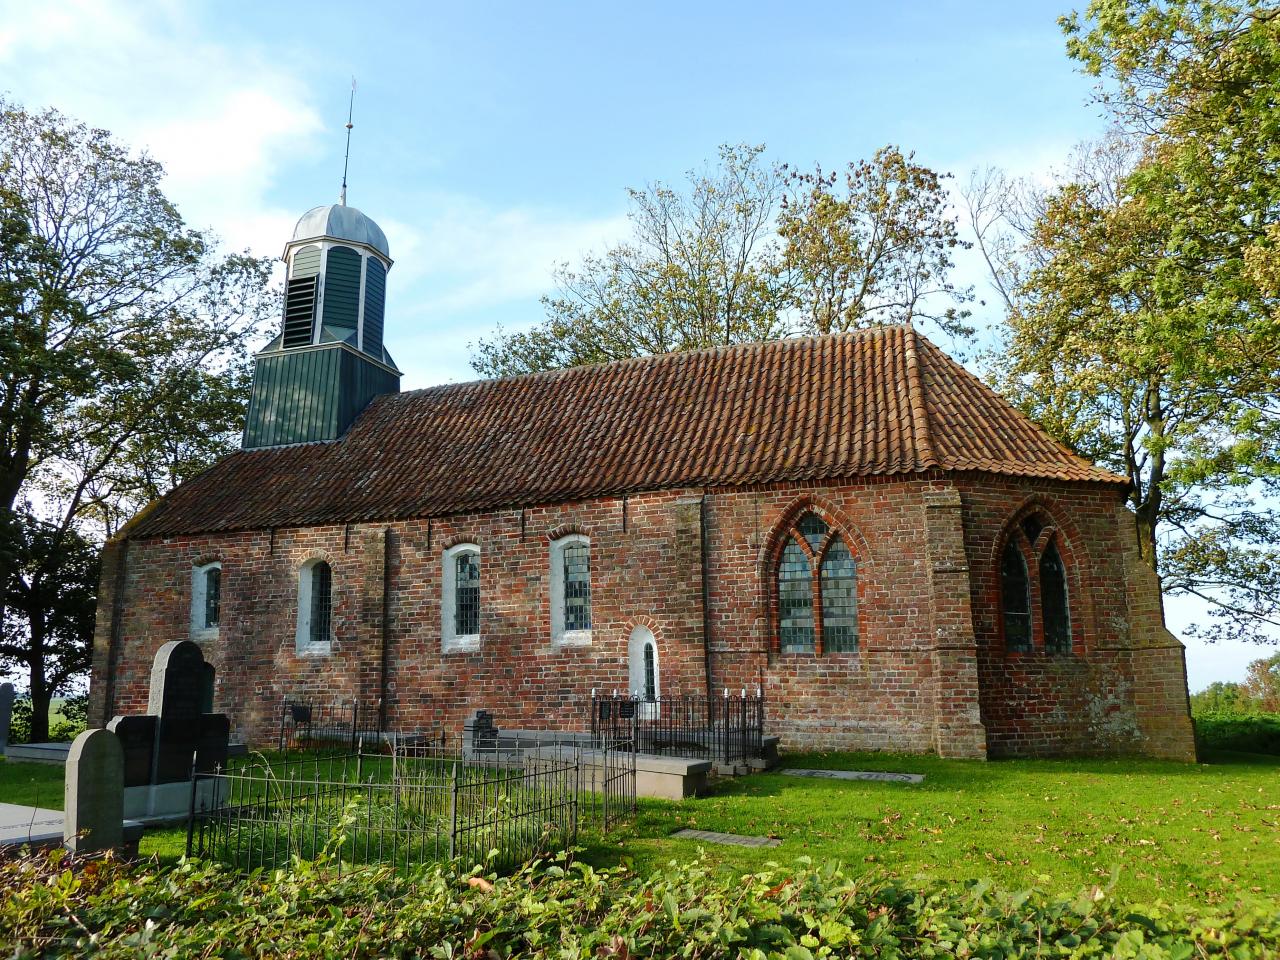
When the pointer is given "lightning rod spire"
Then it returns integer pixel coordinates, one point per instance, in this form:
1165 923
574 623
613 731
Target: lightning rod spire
342 197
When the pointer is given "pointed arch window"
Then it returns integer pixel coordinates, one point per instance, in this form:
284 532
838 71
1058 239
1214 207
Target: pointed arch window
817 584
1035 608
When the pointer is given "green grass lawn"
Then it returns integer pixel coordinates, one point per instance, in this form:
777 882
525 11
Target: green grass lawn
1203 832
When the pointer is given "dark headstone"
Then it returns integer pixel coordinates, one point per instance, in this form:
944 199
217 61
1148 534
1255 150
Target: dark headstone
480 730
177 681
211 749
138 741
6 713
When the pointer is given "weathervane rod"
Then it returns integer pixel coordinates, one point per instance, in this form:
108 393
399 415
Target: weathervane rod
342 198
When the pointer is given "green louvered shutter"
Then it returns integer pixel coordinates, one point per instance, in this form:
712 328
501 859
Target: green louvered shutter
375 288
300 298
342 290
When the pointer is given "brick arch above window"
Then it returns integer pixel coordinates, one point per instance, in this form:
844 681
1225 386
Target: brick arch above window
835 518
1040 531
566 530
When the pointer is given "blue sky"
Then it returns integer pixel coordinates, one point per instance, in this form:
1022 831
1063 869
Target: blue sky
495 140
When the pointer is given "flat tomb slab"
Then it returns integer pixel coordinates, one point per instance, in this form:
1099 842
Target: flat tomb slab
878 776
38 752
34 825
728 839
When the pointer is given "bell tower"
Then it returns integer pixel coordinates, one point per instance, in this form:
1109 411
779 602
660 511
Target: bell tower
328 360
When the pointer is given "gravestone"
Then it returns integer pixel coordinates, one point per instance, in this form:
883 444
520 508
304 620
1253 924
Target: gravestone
480 732
176 737
93 799
6 713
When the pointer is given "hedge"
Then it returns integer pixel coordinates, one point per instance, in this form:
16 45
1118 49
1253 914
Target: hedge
1246 732
105 909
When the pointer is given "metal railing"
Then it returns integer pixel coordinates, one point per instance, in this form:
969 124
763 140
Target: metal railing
310 726
422 802
725 729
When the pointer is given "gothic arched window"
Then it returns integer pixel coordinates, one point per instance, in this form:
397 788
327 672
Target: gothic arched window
817 590
1035 611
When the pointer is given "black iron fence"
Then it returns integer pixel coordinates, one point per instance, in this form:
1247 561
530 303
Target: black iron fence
423 801
726 729
310 726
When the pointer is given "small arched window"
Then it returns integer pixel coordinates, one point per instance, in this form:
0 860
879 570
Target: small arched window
571 589
460 597
817 590
1035 611
650 673
315 607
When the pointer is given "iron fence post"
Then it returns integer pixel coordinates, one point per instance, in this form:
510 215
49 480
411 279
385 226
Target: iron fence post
453 815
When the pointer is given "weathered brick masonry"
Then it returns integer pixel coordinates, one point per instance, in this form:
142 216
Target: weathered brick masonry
930 673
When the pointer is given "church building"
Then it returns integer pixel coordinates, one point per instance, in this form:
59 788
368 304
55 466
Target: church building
854 524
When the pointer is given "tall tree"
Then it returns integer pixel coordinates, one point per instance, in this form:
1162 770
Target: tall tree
749 251
872 245
1140 328
47 629
123 333
697 272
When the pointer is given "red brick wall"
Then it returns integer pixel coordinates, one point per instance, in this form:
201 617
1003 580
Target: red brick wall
929 672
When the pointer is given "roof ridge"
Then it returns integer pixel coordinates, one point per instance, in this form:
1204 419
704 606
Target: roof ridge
915 392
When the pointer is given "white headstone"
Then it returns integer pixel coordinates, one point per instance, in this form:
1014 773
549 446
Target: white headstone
93 807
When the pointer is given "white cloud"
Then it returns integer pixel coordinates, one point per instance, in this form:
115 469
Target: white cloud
224 120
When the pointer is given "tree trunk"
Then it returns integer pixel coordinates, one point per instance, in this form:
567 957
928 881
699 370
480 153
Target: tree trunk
39 685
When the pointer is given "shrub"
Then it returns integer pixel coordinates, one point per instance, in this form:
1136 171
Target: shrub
105 909
1250 733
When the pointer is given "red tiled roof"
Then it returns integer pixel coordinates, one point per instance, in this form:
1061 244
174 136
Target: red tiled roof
874 402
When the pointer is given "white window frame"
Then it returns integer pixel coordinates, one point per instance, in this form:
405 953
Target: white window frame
642 637
303 644
559 635
450 640
199 631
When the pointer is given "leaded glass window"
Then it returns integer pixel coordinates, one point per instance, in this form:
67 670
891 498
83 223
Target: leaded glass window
650 674
466 594
212 596
321 601
839 599
1053 602
577 587
795 600
814 529
1015 599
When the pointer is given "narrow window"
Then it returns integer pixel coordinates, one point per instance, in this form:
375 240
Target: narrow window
321 601
571 590
206 601
212 596
795 600
1053 602
1015 595
839 599
650 674
466 609
577 587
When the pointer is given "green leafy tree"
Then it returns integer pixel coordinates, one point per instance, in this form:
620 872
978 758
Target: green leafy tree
698 271
1262 684
872 245
1140 329
47 629
748 251
124 337
1220 697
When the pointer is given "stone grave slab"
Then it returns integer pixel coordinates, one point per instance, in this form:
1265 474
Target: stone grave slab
728 839
29 825
876 776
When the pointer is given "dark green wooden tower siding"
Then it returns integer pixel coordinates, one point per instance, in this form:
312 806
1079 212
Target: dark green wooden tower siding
302 396
375 291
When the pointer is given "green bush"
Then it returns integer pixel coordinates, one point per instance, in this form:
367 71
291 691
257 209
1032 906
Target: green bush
1249 733
105 909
